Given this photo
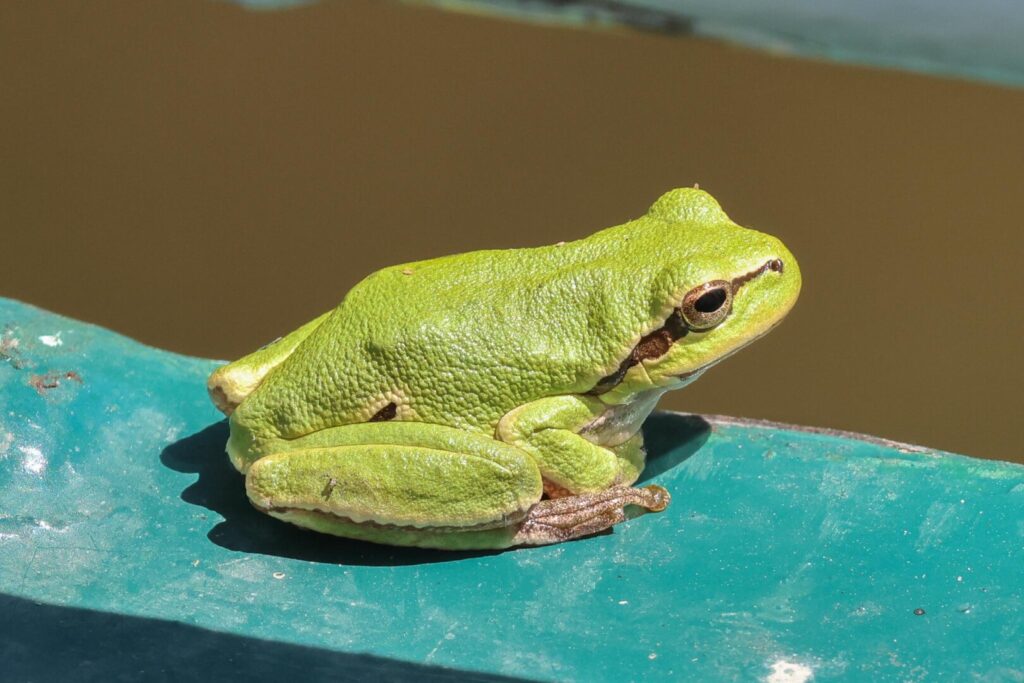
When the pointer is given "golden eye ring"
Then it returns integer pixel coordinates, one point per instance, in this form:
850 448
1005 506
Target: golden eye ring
707 305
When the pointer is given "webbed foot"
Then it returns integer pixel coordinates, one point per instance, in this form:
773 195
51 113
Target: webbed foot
569 517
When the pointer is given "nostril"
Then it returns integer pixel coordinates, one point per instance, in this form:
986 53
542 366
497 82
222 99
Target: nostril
776 265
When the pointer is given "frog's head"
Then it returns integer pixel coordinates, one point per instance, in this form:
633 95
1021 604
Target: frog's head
718 286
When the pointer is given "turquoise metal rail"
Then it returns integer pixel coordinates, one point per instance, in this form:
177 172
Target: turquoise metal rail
127 549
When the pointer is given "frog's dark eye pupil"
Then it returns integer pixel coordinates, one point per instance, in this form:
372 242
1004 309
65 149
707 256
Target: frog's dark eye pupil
711 301
708 305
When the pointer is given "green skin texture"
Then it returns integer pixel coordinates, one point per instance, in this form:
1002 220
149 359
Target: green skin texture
488 358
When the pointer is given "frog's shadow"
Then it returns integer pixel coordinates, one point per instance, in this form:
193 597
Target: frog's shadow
670 438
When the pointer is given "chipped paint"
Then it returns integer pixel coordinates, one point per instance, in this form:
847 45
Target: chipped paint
51 340
10 350
34 461
788 672
52 380
5 444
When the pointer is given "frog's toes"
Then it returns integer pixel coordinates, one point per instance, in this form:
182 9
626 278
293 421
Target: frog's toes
656 498
565 518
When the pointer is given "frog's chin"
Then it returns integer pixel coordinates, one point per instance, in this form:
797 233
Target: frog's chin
689 376
684 378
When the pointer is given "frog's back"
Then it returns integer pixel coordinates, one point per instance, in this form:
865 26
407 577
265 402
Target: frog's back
458 340
462 339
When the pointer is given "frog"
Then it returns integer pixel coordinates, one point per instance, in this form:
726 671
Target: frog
495 399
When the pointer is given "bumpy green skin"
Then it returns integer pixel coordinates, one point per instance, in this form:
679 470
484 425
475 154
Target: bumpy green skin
487 359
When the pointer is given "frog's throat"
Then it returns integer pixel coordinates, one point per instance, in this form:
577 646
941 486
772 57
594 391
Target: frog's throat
657 343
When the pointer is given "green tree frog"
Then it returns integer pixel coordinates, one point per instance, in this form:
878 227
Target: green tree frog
495 398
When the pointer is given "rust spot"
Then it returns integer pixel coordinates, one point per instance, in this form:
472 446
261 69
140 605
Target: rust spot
386 413
52 380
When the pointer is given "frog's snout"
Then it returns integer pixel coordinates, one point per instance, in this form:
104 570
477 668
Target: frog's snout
782 271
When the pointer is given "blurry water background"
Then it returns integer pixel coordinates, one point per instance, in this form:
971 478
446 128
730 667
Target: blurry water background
979 39
204 177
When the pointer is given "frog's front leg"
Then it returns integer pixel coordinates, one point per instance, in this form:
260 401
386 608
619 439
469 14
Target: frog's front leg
580 444
588 454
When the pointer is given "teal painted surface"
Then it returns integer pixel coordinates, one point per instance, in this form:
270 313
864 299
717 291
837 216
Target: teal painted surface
979 39
127 548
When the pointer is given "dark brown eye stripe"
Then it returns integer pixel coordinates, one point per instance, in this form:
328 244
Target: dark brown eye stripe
775 265
608 382
658 342
653 345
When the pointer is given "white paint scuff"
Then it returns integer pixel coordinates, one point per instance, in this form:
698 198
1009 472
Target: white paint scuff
34 461
51 339
789 672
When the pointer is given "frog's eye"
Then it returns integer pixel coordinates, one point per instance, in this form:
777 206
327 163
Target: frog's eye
708 305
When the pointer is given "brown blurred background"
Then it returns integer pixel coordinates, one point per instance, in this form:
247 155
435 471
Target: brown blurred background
204 178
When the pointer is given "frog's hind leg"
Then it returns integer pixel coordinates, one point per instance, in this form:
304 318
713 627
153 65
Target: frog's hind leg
569 517
406 483
399 483
231 383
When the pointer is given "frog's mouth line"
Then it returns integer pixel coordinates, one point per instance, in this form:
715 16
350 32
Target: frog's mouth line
694 373
657 343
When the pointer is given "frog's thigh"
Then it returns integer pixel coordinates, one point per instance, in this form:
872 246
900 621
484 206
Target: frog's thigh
430 481
547 430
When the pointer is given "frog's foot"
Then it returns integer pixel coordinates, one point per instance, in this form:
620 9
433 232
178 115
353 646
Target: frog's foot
569 517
